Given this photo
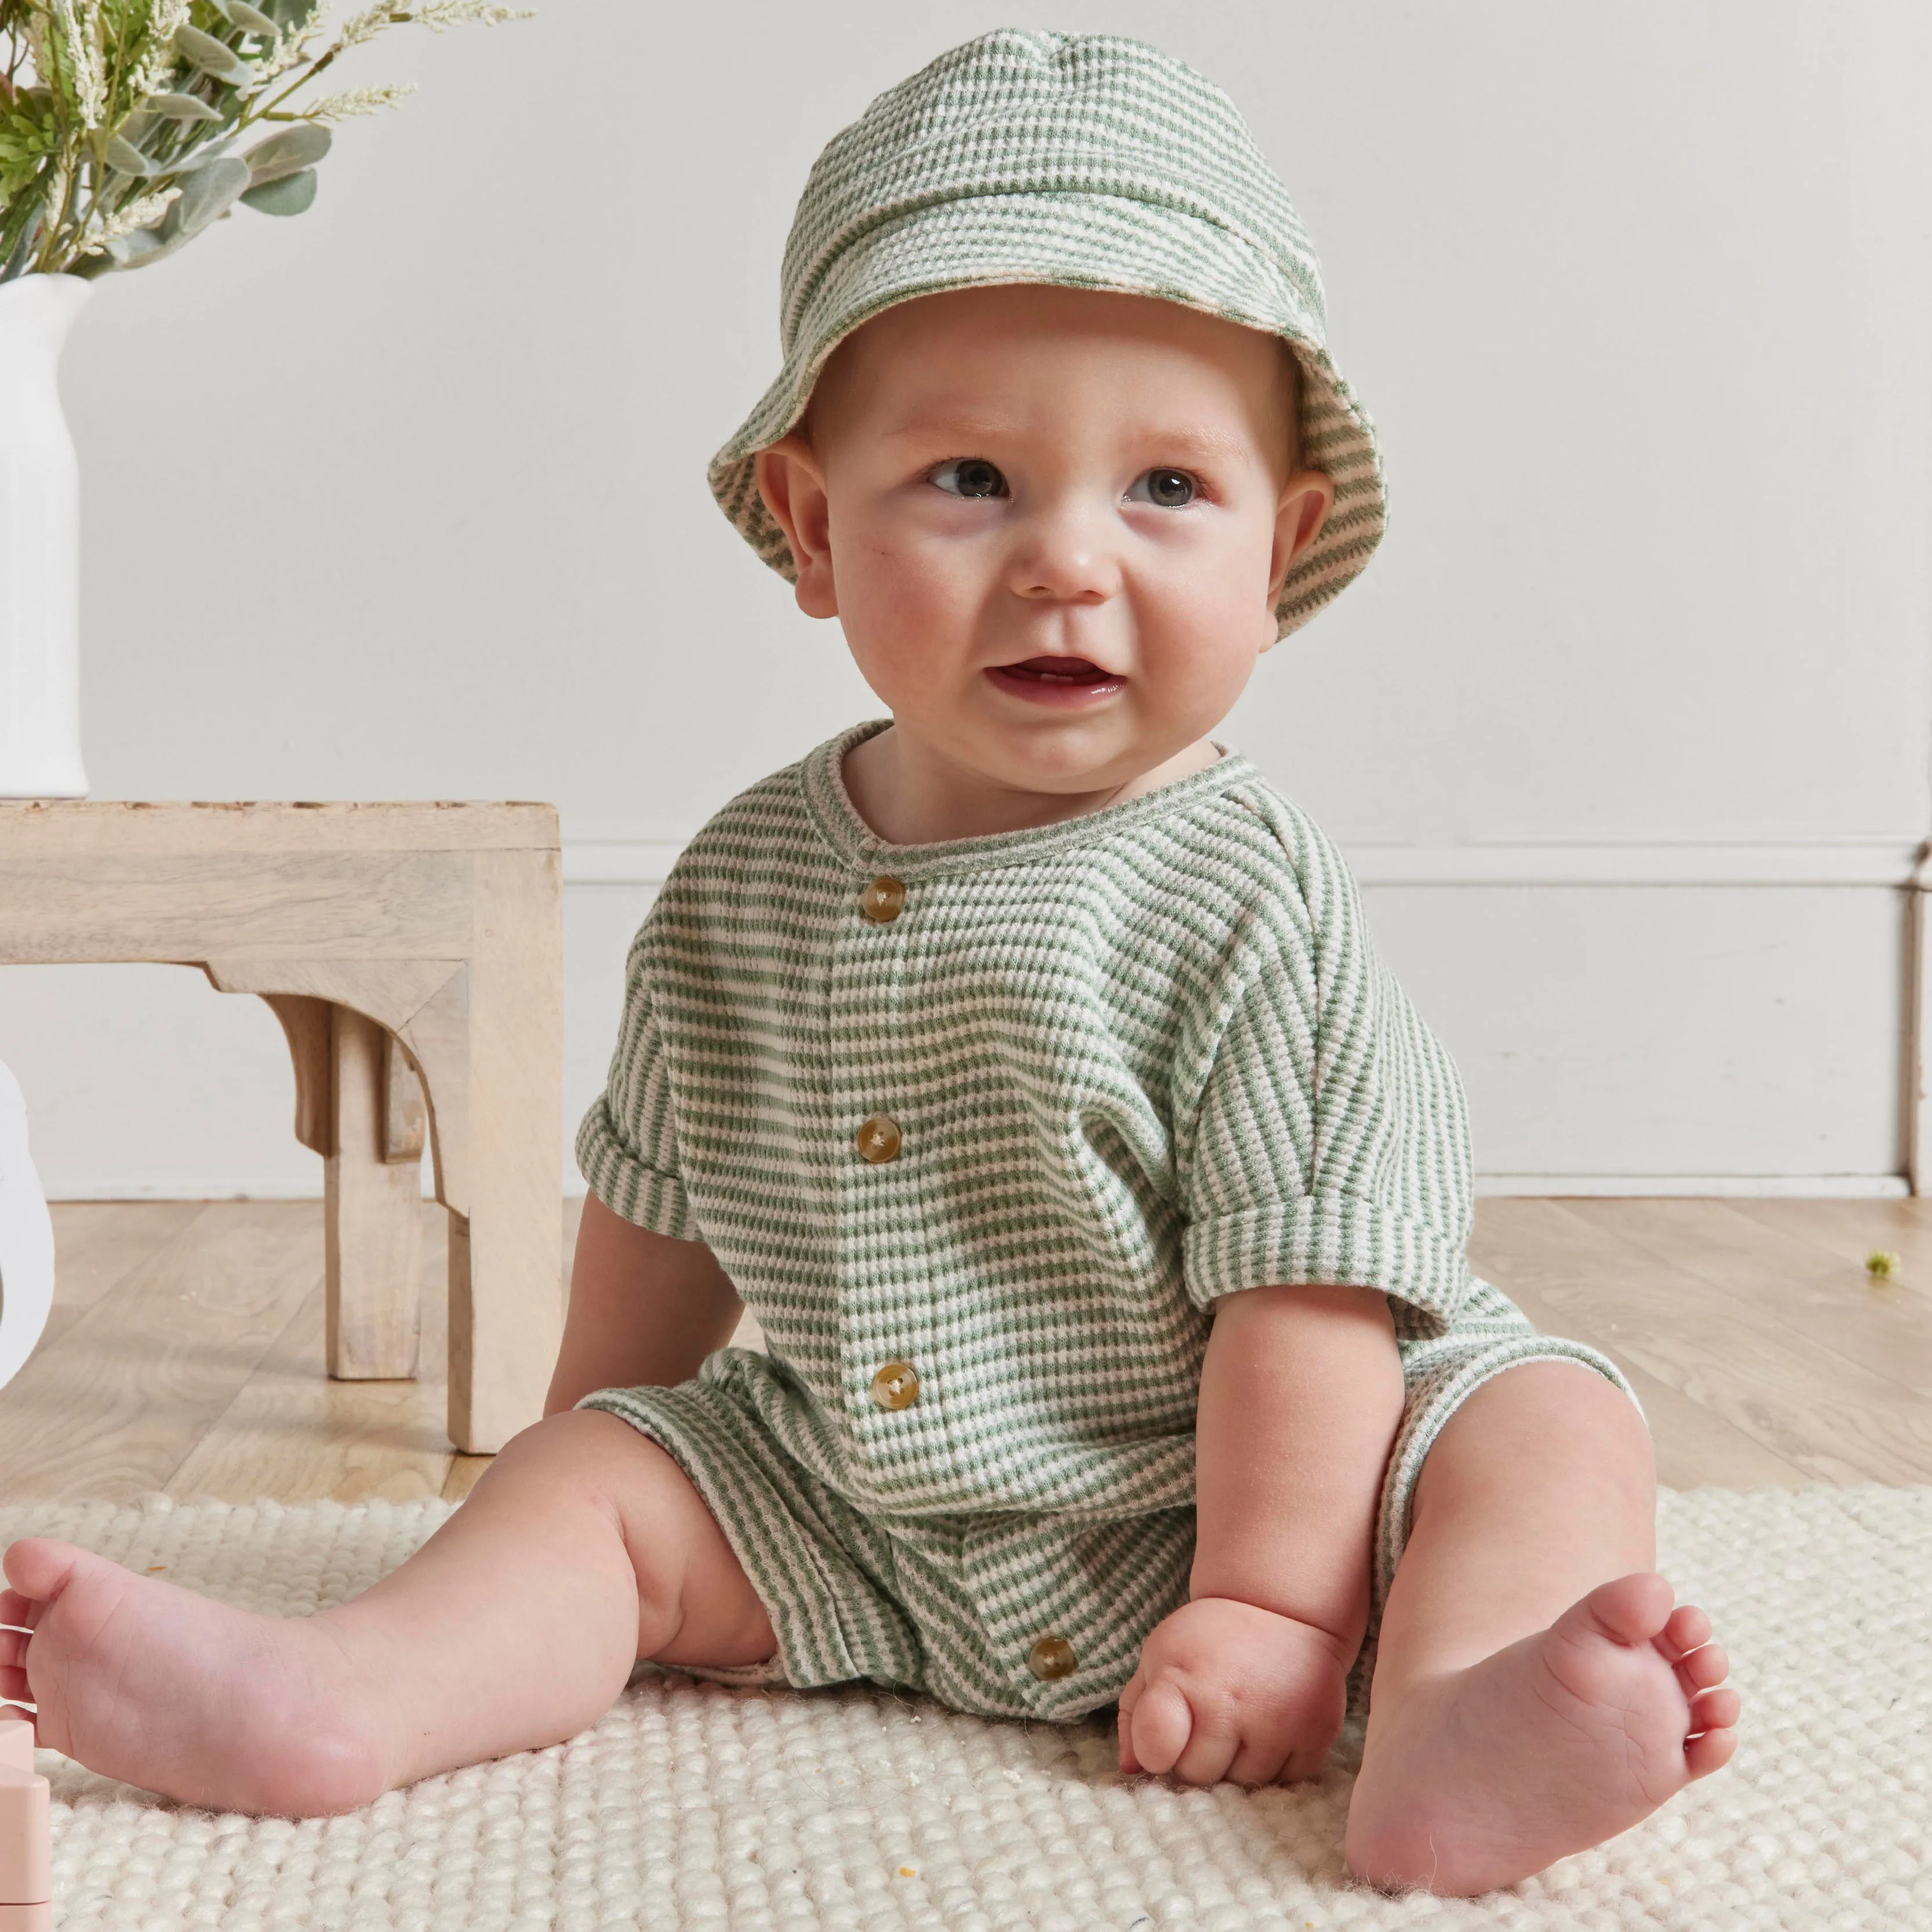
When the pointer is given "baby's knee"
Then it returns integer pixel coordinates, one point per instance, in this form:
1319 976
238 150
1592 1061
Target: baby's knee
1546 1423
1583 1406
585 1452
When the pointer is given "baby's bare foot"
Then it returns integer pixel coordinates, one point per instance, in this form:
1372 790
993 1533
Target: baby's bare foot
1479 1778
140 1680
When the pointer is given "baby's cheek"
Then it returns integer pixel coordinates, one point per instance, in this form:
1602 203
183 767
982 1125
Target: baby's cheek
1198 654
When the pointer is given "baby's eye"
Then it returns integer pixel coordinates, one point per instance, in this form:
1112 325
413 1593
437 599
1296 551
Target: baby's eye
1169 488
969 476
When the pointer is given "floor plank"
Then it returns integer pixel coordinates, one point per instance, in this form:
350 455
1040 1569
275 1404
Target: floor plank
1851 1231
1762 1274
1695 1446
114 1404
98 1244
292 1434
1836 1420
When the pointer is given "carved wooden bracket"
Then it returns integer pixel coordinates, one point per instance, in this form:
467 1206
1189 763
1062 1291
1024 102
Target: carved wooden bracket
425 1004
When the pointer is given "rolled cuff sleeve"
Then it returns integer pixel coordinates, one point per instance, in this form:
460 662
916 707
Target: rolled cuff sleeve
1342 1239
645 1196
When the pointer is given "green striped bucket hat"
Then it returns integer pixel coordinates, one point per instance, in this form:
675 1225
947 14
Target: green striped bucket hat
1088 160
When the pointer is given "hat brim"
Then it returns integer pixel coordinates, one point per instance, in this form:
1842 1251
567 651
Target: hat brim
1087 241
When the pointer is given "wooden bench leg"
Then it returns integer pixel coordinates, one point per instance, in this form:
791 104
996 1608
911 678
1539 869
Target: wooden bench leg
372 1189
486 1034
505 1273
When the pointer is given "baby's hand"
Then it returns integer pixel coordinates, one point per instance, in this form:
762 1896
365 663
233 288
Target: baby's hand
1225 1689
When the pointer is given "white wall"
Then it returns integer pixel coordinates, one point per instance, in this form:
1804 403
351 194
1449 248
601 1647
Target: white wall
405 499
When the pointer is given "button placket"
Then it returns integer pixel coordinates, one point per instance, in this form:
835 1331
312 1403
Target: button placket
878 1330
1052 1637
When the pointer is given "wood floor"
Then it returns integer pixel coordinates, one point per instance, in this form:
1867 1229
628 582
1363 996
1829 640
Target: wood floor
184 1350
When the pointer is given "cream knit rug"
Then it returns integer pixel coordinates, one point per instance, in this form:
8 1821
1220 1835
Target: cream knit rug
693 1806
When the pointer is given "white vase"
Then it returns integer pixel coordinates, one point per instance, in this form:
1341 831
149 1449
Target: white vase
40 544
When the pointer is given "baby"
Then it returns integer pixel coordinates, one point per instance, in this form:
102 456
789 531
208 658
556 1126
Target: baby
1022 1062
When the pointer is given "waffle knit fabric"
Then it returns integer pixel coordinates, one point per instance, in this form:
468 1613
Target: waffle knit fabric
1129 1063
689 1807
1086 160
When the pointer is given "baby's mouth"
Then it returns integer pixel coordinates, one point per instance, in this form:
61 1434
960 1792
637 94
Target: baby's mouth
1056 680
1058 671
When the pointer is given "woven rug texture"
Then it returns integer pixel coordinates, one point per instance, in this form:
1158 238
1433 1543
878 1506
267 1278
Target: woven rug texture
694 1806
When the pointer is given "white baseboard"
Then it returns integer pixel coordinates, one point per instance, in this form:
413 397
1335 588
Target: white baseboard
223 1187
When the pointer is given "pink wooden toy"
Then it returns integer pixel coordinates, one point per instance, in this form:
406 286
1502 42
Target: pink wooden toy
26 1850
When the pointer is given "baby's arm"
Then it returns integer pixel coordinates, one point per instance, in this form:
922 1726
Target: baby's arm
643 1309
1301 1394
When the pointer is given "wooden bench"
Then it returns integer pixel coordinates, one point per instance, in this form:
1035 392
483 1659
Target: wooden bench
413 954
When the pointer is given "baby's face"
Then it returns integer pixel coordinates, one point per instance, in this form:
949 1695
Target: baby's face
1052 523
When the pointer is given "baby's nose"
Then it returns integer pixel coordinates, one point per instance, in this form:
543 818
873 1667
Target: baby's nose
1063 557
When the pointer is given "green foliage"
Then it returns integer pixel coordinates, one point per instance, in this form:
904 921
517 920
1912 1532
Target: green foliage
286 194
29 140
117 117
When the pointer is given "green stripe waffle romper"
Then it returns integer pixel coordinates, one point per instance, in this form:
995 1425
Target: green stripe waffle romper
980 1130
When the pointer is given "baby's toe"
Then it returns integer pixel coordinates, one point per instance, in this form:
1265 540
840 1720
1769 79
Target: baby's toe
1709 1752
1703 1669
1686 1628
38 1567
1632 1610
1715 1710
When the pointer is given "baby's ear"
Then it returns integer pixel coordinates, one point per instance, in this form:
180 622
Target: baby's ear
1306 498
793 485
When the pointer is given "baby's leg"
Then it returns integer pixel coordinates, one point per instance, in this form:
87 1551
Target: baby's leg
1534 1692
584 1547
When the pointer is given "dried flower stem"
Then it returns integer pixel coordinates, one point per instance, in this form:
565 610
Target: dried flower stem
75 78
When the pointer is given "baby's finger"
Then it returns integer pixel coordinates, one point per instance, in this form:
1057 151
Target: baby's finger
1308 1756
1258 1760
1283 1746
1124 1725
1211 1749
1159 1729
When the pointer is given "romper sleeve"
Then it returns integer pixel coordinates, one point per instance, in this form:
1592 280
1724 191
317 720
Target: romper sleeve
1330 1143
627 1147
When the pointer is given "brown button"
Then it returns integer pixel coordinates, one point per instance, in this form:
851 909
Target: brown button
883 900
895 1386
877 1138
1051 1656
